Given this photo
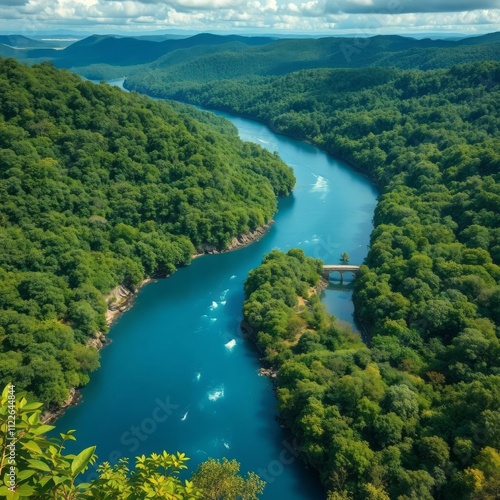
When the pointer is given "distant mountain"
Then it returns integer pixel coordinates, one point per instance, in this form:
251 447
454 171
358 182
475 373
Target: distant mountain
435 58
118 50
156 57
181 56
160 38
21 47
204 63
6 51
20 42
476 40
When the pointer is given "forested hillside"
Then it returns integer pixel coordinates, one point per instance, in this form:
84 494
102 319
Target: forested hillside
153 63
100 187
127 51
408 417
286 56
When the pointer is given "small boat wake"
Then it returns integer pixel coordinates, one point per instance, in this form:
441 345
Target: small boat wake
320 186
230 345
216 393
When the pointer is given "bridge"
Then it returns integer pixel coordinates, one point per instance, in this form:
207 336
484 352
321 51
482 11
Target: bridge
341 269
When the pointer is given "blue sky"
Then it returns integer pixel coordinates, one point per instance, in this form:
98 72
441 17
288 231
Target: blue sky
300 16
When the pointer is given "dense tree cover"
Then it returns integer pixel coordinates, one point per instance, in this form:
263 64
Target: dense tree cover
99 187
378 422
220 479
431 142
36 467
206 56
164 76
172 59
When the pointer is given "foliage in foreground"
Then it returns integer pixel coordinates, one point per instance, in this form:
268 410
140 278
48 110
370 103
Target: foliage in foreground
221 480
373 430
39 469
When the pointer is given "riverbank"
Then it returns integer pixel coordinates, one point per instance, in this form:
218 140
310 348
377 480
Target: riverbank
237 242
121 299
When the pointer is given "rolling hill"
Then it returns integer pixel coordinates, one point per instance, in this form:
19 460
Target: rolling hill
117 50
290 55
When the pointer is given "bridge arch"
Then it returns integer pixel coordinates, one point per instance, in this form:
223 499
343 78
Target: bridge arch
341 269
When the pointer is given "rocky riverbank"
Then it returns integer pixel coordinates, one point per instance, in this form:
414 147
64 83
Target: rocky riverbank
121 298
237 242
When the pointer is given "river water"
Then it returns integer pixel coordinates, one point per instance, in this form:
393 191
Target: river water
179 375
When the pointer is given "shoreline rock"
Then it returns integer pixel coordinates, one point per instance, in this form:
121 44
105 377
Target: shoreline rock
52 414
267 372
237 242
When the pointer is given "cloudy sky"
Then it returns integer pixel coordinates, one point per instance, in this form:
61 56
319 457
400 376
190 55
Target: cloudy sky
306 16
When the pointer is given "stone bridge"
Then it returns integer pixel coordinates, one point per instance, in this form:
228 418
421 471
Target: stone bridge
341 269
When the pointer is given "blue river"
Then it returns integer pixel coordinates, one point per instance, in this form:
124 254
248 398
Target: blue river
180 376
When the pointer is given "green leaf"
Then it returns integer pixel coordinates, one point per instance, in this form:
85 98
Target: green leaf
33 418
58 479
81 461
43 429
25 490
32 406
32 446
5 392
38 464
67 437
43 482
25 474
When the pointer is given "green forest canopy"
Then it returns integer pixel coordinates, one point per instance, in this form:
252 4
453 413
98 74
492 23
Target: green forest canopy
416 413
201 59
401 418
431 142
100 187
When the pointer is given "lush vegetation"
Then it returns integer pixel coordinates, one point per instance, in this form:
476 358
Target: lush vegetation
431 142
150 62
99 187
172 71
383 421
36 467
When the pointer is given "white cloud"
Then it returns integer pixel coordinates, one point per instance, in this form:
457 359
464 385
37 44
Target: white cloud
310 16
407 6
